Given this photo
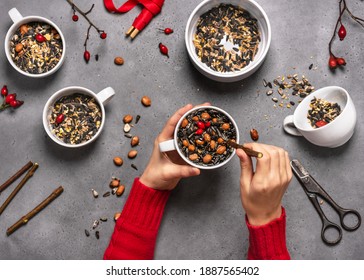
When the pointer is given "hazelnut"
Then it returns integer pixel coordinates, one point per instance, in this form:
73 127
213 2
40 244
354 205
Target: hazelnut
23 29
114 183
146 101
220 140
207 137
19 47
225 126
184 123
254 134
116 216
120 190
200 142
207 158
213 144
193 157
205 116
118 161
220 150
195 118
214 120
132 154
127 118
185 143
191 148
118 60
134 141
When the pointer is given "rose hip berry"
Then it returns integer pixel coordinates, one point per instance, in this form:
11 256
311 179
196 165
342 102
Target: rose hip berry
320 123
200 125
207 124
4 90
75 17
40 38
103 35
167 30
332 62
87 56
59 118
340 61
342 32
163 49
10 98
199 131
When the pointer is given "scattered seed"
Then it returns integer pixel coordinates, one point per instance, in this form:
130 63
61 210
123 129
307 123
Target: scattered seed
127 128
116 216
127 118
95 224
106 194
254 134
292 103
114 183
134 141
146 101
274 99
113 191
270 85
120 190
96 57
103 219
133 166
310 67
118 161
137 119
269 92
118 60
265 83
97 234
132 154
95 193
128 135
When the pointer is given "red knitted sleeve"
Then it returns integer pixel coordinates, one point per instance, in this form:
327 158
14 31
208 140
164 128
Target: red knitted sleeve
268 242
136 229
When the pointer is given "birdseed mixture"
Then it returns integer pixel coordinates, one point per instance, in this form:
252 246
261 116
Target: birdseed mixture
36 47
75 118
202 137
322 112
227 38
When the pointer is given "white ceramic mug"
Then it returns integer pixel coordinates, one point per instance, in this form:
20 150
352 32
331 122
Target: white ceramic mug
19 20
172 144
335 133
102 98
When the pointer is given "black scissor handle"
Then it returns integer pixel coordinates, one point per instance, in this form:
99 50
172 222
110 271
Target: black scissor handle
344 212
326 225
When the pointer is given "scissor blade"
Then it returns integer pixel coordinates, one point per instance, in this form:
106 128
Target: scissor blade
298 169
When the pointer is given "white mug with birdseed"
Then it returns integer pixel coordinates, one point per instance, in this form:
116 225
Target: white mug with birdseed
335 133
207 135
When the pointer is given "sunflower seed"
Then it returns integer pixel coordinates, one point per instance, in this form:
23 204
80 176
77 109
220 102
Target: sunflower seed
269 92
127 128
128 135
87 233
95 193
95 224
97 234
103 219
106 194
114 190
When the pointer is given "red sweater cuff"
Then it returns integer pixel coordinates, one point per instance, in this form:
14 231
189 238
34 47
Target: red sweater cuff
268 242
144 207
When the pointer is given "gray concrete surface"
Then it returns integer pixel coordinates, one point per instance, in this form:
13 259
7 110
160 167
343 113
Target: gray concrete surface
204 218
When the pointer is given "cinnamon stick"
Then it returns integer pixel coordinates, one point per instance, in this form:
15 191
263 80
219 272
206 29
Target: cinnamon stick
248 151
25 219
18 188
15 176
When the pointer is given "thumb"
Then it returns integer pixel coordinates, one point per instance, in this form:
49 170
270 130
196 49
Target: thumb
246 167
184 171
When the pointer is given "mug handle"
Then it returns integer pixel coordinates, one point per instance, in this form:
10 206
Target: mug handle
15 15
289 127
106 94
167 146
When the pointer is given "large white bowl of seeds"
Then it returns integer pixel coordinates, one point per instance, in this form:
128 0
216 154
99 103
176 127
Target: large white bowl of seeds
228 40
34 45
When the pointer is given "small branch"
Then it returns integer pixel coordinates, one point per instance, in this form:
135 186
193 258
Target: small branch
16 176
89 11
87 37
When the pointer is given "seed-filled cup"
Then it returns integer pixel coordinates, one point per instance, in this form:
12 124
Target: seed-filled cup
335 133
34 45
75 116
200 137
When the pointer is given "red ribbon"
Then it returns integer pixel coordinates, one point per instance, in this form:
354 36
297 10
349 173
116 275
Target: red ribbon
151 8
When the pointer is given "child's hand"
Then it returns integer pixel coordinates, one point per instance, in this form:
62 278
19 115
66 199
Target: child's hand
262 191
164 170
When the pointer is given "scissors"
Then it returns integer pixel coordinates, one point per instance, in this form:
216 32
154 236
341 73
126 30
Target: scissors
313 191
